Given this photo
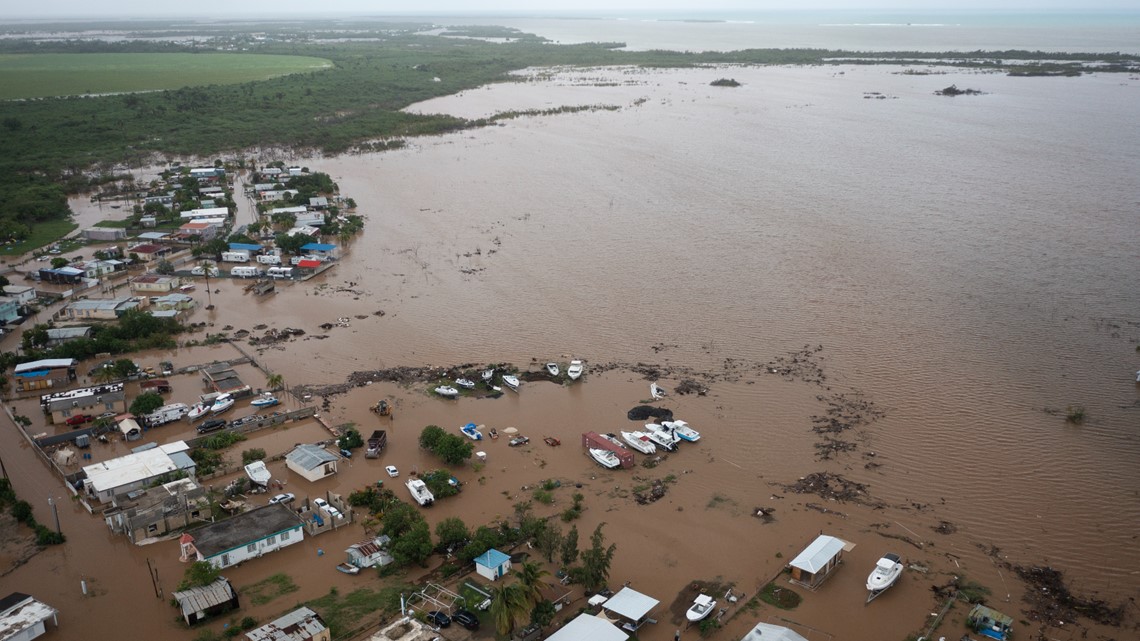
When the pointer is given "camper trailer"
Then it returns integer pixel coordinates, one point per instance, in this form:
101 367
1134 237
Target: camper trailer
279 272
235 257
167 414
269 259
245 272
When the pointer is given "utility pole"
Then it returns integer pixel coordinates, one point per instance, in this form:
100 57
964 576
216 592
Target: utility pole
55 513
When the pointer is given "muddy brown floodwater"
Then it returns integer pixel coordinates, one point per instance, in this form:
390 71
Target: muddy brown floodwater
927 282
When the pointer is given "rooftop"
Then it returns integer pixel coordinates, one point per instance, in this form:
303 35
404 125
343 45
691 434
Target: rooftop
204 597
769 632
630 604
816 556
310 457
298 625
18 612
134 467
586 627
243 529
48 363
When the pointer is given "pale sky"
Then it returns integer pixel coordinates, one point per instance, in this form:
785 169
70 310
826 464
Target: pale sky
213 9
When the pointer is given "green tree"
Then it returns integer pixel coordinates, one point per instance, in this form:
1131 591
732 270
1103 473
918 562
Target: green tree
146 403
4 282
58 262
124 367
164 267
451 531
275 381
532 579
350 440
36 337
596 561
569 550
198 574
543 613
547 540
251 455
454 449
509 608
400 518
430 436
414 545
483 539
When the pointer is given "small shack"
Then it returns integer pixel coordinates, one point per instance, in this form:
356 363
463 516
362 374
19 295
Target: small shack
371 553
990 623
301 624
769 632
493 564
130 429
206 601
812 566
630 608
312 462
585 626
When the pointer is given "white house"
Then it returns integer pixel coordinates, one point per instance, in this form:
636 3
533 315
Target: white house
769 632
22 294
630 607
812 566
587 627
208 212
312 462
371 553
246 536
137 470
22 618
493 564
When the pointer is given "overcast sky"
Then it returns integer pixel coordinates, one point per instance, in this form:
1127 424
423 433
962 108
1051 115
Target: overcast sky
208 9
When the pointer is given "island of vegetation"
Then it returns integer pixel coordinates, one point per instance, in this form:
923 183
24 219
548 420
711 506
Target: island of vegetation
725 82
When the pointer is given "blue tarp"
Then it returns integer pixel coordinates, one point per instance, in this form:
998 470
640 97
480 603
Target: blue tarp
318 247
246 246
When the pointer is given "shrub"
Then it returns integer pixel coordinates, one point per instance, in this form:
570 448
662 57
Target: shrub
46 536
251 455
1075 414
544 496
22 511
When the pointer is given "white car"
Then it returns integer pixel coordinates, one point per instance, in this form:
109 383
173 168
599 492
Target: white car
392 471
324 505
282 498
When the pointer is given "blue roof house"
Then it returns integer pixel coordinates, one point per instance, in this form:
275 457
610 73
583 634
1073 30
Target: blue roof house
493 564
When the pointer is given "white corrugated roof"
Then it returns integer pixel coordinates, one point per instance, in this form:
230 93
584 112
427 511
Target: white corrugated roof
131 468
630 604
769 632
310 457
585 627
816 556
46 363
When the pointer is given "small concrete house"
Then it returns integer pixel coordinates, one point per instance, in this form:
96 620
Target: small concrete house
112 480
818 560
371 553
22 618
86 400
22 294
246 536
45 373
301 624
99 308
493 564
312 462
154 283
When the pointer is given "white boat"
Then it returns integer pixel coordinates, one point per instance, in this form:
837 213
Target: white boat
420 492
656 391
702 606
887 570
198 411
258 473
221 404
472 432
576 368
552 368
447 391
465 383
640 442
612 438
265 400
661 436
605 458
682 430
511 381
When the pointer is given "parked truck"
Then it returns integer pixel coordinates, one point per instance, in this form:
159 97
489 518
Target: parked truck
376 444
167 414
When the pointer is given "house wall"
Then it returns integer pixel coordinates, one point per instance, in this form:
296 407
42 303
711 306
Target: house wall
89 406
103 313
54 377
161 286
328 469
30 633
255 549
492 573
9 310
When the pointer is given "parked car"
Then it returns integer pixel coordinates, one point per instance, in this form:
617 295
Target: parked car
324 505
212 425
282 498
79 419
438 619
466 619
392 471
167 368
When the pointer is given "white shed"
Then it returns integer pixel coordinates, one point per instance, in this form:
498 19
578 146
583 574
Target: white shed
769 632
585 627
312 462
812 566
631 607
493 564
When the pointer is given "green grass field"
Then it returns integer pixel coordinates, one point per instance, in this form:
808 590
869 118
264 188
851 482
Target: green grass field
44 233
67 74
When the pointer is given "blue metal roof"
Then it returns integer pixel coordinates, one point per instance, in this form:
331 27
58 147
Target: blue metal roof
241 246
492 558
318 247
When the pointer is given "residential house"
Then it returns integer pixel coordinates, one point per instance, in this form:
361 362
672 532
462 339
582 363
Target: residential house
319 202
770 632
105 233
630 607
149 252
173 301
161 199
248 535
274 195
154 283
45 373
87 400
312 462
310 219
222 378
201 231
307 230
301 624
271 171
154 237
493 564
207 174
157 511
818 560
60 335
99 308
114 480
294 211
586 627
97 268
211 191
9 310
211 212
22 294
66 275
148 222
23 618
371 553
203 602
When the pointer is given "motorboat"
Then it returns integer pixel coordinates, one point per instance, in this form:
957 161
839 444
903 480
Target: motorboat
605 458
472 432
613 438
488 374
465 383
348 568
420 492
552 368
576 368
511 381
258 473
656 391
221 404
447 391
702 606
640 442
887 570
661 435
682 430
265 400
198 410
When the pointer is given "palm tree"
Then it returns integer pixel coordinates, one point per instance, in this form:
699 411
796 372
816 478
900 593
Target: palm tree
532 582
275 381
509 607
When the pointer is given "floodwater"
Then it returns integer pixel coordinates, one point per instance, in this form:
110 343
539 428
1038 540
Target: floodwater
966 264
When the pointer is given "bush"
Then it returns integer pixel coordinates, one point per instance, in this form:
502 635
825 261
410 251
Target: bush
350 440
1075 414
430 436
45 536
708 626
251 455
22 511
544 496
